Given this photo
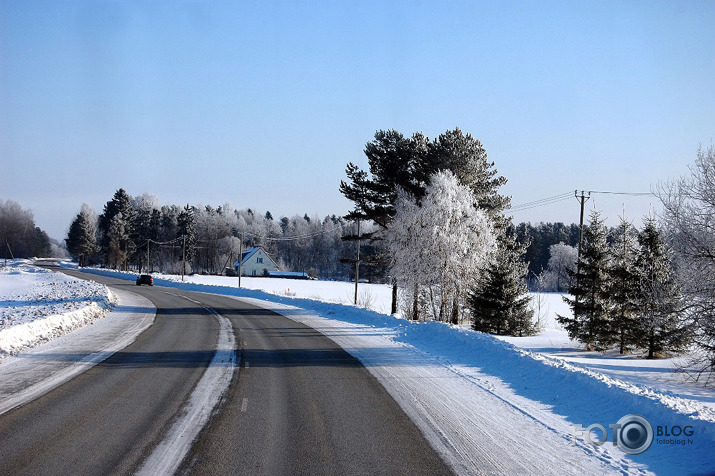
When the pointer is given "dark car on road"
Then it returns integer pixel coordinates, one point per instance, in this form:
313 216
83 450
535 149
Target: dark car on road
145 279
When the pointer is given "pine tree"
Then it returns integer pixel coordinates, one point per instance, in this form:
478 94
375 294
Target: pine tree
623 305
590 289
660 325
466 157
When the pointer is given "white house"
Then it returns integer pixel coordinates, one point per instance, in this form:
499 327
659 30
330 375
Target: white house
256 262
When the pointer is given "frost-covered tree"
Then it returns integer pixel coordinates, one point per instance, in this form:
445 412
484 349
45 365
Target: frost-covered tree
623 303
81 238
562 259
438 246
689 218
400 163
19 237
589 303
466 158
661 325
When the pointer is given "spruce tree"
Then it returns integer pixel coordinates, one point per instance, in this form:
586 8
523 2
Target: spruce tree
186 226
623 305
121 202
81 239
590 289
660 326
500 305
121 245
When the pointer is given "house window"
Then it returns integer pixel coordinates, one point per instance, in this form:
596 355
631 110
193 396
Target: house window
253 272
259 260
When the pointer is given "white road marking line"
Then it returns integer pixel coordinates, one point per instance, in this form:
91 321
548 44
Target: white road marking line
244 405
168 454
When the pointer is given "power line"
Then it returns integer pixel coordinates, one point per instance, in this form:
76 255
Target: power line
632 194
541 202
567 195
293 238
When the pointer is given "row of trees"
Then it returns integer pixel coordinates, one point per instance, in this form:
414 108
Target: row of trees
449 246
19 237
624 294
137 233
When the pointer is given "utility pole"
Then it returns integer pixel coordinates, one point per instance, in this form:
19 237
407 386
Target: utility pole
357 263
240 259
183 256
147 255
582 199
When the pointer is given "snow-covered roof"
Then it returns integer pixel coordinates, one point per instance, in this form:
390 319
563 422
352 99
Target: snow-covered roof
288 274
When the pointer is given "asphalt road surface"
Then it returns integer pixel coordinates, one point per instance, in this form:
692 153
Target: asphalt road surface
299 404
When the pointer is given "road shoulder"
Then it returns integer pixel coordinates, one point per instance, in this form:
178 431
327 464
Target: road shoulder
32 374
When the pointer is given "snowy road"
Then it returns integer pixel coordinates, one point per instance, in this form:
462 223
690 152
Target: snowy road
298 404
106 420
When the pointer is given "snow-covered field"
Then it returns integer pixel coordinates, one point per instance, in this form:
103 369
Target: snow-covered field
509 405
37 305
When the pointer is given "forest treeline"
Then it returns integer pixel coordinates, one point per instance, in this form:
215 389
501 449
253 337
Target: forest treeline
20 237
139 234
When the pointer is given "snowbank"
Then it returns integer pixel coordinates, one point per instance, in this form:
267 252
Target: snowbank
37 305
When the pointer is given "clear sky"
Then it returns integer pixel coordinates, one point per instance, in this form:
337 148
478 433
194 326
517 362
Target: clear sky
262 104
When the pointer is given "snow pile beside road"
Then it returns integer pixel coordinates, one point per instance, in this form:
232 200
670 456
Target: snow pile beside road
38 305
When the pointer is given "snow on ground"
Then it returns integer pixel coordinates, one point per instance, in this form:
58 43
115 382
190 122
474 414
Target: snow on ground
493 406
38 305
669 376
374 296
35 371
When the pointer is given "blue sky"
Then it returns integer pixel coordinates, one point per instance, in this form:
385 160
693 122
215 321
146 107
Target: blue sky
262 104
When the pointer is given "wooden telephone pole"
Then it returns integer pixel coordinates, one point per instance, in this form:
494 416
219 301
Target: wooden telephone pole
357 263
582 200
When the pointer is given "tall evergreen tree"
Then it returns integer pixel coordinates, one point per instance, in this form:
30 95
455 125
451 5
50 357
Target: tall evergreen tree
661 327
623 305
500 305
186 226
81 238
590 289
466 157
121 245
121 202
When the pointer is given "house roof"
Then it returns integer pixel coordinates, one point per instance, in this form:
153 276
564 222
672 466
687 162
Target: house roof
247 254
